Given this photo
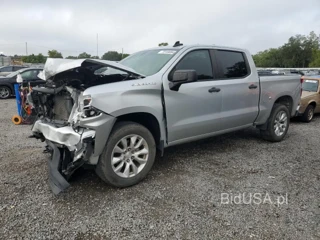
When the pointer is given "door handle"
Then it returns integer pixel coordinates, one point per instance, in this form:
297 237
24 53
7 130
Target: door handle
252 86
214 89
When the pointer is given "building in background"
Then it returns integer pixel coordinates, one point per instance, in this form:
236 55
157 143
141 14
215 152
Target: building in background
4 60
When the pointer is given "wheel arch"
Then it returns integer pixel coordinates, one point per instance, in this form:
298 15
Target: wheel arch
147 120
285 100
312 103
9 86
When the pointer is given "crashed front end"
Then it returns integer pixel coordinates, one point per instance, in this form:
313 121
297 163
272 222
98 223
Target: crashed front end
75 131
73 142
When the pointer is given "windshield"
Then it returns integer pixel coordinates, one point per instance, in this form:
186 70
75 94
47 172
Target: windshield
149 62
310 85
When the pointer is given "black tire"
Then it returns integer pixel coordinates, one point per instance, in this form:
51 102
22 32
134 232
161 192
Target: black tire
270 134
104 168
3 90
308 114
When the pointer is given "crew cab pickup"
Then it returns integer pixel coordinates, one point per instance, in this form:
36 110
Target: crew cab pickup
151 100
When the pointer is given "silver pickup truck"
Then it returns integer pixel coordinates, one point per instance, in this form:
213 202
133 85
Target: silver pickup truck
116 119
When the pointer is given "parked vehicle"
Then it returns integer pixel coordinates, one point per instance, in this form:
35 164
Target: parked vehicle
152 100
6 70
29 76
268 73
310 99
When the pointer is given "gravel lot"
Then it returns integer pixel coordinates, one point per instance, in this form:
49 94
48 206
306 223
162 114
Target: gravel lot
181 197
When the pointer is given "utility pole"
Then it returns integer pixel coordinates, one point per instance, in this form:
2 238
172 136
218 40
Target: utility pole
97 46
26 49
122 54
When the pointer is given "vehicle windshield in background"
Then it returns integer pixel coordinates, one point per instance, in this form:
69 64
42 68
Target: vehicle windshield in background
149 62
310 85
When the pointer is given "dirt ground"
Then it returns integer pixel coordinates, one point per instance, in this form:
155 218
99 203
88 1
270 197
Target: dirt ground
180 198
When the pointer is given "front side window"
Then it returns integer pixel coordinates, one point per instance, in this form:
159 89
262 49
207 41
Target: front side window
231 64
199 61
30 74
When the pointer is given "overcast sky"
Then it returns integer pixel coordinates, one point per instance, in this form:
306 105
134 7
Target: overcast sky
72 26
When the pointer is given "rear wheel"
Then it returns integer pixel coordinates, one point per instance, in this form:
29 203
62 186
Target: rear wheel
5 92
128 155
308 114
277 125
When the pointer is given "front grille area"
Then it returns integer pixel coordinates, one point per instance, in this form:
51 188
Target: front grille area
62 107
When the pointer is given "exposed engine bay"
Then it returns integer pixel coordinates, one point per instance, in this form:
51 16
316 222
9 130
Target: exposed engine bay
54 101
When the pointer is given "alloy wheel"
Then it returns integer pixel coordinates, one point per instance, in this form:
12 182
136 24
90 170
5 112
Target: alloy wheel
310 114
4 92
280 123
129 156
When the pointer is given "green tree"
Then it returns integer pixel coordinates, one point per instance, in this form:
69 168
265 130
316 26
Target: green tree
125 55
163 44
84 55
34 58
315 59
71 57
54 54
112 56
299 51
40 58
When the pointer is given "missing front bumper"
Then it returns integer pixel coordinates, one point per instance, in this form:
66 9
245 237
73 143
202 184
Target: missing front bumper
71 149
57 182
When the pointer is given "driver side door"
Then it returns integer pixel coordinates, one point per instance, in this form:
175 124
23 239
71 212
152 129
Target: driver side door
193 111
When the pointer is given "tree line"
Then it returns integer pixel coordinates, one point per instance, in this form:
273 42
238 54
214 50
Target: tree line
299 52
110 55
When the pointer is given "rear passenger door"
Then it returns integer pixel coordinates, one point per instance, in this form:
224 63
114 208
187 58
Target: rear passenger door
239 89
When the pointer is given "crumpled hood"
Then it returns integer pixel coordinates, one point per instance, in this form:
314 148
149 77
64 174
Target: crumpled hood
54 66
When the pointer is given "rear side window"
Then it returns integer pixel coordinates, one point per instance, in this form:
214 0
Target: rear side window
198 60
6 69
15 68
231 64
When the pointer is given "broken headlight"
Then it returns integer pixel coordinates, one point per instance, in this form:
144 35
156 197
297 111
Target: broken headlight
90 112
87 109
87 100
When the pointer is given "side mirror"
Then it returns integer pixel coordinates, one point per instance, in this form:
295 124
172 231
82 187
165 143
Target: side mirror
182 76
19 78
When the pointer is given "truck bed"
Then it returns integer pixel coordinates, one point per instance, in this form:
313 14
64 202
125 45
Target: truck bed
274 87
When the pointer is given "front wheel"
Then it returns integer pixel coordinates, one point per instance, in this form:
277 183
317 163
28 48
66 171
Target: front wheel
128 155
277 125
5 92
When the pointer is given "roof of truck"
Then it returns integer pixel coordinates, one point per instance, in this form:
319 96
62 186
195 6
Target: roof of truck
198 46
